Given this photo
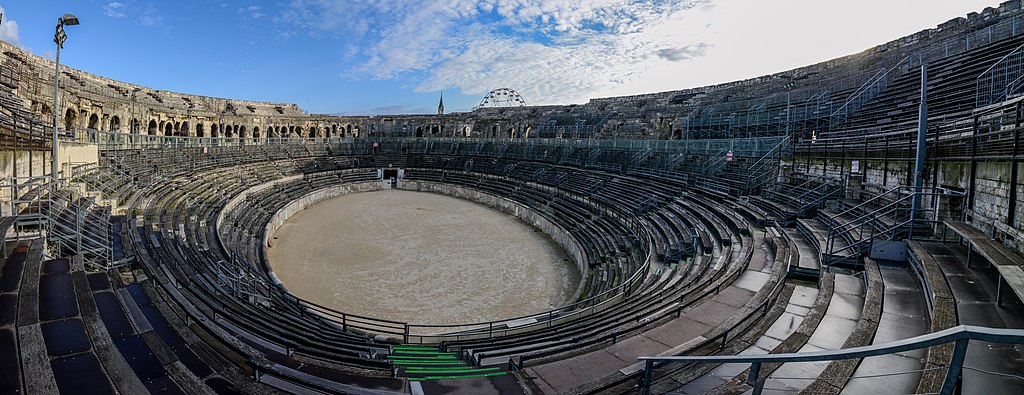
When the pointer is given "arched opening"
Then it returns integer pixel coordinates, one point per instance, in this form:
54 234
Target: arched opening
151 129
215 130
184 128
115 123
228 131
47 111
168 129
334 130
419 131
200 132
70 118
677 134
135 126
256 132
435 129
291 129
348 130
94 121
313 132
298 131
467 131
241 132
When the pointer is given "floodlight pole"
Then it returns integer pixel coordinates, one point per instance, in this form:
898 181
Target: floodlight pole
58 38
922 147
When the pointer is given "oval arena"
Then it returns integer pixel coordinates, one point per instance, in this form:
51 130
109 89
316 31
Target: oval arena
851 226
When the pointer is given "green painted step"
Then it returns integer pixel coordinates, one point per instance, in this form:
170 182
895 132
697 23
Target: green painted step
473 376
422 362
423 357
417 352
448 370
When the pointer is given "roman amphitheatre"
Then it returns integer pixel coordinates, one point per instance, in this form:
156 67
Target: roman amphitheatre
851 226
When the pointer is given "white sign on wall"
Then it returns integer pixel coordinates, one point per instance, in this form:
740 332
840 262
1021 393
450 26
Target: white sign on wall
855 167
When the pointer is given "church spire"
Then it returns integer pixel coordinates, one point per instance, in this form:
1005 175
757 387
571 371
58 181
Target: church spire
440 105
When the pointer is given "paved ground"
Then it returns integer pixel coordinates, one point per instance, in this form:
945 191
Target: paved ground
421 258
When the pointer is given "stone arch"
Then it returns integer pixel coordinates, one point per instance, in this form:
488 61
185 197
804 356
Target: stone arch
241 132
419 131
227 131
134 126
46 111
94 122
215 130
255 132
70 119
169 129
152 128
200 132
115 123
184 130
313 132
298 131
467 131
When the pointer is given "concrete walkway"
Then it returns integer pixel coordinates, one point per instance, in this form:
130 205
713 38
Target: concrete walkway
840 319
565 375
904 315
974 289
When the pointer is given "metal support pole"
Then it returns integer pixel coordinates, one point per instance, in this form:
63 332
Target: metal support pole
955 367
922 148
54 164
752 379
645 378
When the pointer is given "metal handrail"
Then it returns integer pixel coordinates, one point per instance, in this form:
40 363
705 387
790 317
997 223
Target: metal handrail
961 335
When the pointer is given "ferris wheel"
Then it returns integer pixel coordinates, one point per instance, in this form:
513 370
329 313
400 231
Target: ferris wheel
502 97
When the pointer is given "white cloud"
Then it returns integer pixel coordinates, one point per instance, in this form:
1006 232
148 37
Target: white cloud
9 29
559 51
551 51
253 11
114 10
145 15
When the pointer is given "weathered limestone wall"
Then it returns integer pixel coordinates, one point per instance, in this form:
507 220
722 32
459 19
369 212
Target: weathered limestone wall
19 164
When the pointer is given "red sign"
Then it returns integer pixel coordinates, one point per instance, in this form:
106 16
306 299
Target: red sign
728 156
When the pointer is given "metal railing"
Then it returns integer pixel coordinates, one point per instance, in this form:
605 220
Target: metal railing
886 216
1000 80
961 336
871 88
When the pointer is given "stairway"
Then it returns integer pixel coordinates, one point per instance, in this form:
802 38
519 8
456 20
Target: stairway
422 363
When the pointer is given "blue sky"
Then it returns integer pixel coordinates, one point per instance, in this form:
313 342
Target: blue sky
395 56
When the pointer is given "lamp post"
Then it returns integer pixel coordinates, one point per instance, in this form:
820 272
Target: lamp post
58 38
133 124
